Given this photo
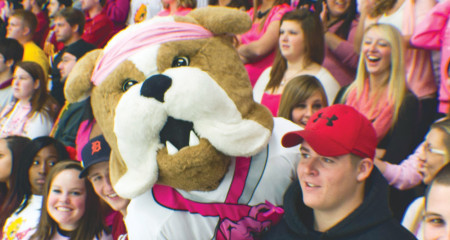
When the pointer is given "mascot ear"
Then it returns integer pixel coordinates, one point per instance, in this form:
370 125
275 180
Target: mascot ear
78 84
221 20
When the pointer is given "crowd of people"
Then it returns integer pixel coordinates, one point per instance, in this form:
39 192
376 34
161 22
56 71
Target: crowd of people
382 67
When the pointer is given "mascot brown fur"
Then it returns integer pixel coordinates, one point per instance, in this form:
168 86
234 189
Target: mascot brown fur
174 111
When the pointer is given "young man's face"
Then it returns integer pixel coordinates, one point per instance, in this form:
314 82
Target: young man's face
98 175
327 183
66 65
16 28
53 7
63 30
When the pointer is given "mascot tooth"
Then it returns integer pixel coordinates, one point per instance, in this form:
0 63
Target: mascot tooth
197 156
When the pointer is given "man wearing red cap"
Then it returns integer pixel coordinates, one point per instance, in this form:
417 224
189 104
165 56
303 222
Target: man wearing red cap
339 194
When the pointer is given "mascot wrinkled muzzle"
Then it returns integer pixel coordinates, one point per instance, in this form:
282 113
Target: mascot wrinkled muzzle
173 100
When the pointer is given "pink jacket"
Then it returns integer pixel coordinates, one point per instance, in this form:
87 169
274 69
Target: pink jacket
405 175
433 32
343 61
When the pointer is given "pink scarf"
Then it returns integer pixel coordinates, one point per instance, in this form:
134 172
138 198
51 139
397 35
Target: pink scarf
379 113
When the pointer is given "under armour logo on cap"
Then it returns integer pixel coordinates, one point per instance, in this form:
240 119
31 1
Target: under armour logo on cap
330 120
353 133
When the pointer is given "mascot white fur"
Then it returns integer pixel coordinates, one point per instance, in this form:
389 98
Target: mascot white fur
197 156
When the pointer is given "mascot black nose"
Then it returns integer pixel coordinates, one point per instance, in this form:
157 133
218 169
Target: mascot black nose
155 87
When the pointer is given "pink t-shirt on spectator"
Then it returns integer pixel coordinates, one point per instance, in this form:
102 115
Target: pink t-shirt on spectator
272 102
255 69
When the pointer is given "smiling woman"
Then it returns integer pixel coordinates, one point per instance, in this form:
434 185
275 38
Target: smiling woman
380 93
70 207
301 98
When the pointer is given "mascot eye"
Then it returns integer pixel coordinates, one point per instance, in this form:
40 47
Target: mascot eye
128 83
180 62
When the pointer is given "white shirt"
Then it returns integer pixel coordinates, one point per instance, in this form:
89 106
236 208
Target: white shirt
20 226
329 83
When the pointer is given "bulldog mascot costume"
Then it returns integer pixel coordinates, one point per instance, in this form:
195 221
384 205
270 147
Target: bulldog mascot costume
197 156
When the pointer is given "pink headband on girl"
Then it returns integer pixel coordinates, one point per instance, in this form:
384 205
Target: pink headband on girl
133 41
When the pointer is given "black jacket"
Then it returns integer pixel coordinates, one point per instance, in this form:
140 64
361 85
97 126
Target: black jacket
371 220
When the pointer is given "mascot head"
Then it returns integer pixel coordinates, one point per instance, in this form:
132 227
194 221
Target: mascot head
173 101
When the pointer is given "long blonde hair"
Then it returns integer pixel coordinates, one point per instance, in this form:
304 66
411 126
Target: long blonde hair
395 84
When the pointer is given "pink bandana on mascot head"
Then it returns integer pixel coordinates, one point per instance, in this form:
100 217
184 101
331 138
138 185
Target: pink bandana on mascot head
158 33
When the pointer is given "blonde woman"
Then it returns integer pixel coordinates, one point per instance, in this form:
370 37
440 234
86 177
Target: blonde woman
380 93
405 16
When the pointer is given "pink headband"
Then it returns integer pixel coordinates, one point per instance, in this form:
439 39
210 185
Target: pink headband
134 41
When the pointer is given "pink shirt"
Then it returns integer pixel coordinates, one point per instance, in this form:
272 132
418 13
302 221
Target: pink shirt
342 61
405 175
272 102
83 136
255 69
433 32
15 121
98 30
117 12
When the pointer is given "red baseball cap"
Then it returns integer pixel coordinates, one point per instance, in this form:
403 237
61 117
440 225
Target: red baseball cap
336 130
